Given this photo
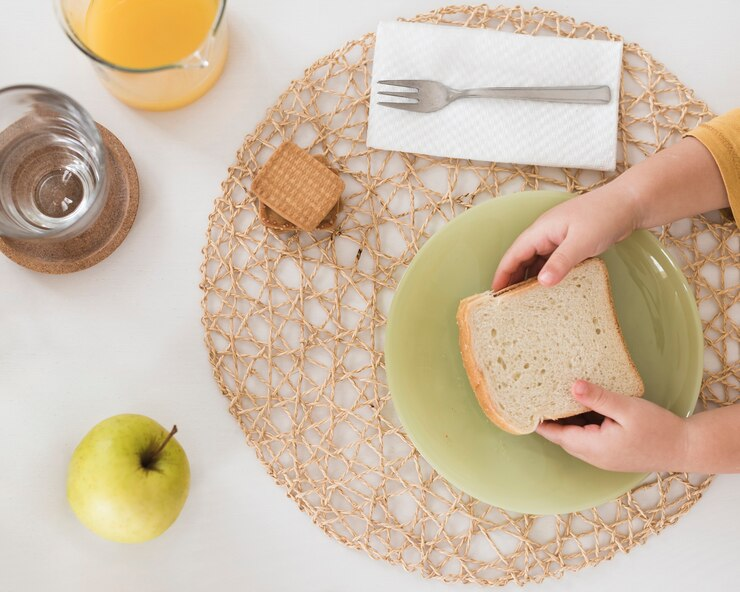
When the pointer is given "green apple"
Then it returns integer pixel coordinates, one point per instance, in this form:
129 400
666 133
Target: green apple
128 479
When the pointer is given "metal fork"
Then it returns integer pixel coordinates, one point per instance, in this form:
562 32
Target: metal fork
428 95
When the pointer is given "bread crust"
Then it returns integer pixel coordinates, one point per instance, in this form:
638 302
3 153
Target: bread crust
641 390
475 374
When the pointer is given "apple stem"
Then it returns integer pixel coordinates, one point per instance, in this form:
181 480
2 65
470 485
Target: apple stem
151 457
158 451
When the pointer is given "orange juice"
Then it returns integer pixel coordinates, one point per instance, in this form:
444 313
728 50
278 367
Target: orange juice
148 33
151 34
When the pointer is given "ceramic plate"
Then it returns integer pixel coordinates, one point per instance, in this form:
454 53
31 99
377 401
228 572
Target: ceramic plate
430 389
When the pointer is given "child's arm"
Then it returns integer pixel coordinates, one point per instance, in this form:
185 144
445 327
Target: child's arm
681 181
675 183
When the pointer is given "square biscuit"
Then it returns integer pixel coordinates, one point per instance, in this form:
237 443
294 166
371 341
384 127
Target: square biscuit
271 219
297 187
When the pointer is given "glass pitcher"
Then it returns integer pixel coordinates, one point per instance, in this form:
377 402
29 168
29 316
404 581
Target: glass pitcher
151 86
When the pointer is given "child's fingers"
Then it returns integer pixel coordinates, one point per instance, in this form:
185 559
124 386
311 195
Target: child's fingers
552 431
521 250
572 438
591 443
524 268
534 268
525 249
607 403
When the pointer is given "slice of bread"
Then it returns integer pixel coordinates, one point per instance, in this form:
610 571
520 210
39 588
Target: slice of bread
525 346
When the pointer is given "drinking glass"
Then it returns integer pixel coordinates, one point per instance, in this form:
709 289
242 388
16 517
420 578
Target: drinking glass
164 87
52 165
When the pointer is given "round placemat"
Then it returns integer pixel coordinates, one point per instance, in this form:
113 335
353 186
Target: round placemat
103 236
295 322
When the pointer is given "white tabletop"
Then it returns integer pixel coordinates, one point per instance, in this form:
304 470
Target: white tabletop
125 336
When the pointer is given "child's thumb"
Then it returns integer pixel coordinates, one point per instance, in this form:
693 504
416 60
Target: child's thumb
609 404
562 260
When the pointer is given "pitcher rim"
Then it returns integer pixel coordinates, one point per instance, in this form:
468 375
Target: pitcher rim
72 36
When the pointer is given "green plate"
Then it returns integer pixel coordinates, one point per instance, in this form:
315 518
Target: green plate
430 389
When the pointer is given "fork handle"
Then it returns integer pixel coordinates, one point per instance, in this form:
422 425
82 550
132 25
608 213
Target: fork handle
551 94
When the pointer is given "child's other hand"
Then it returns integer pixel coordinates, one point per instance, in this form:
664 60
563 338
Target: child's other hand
567 234
635 436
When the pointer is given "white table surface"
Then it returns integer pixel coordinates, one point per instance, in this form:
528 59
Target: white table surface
125 336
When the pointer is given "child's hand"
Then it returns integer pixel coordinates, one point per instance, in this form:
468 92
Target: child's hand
582 227
636 435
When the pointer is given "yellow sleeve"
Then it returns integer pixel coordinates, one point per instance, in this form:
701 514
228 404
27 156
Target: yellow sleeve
721 136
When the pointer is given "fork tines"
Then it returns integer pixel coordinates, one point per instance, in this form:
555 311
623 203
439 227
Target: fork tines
412 95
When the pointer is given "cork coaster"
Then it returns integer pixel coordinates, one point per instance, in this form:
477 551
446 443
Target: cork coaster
271 219
102 237
297 186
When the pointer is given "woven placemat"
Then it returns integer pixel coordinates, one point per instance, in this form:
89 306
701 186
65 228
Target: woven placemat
294 322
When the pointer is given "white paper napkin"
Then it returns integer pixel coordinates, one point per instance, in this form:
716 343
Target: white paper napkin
522 132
